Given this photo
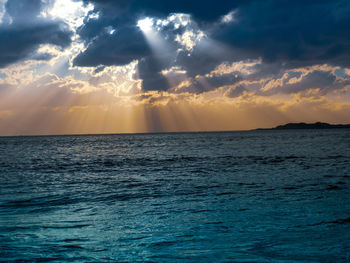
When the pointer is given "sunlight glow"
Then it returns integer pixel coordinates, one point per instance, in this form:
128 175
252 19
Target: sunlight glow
145 24
71 12
155 39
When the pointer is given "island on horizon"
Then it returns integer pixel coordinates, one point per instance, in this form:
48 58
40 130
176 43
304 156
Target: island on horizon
303 125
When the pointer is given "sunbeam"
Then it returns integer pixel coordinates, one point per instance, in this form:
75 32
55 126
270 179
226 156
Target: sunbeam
160 47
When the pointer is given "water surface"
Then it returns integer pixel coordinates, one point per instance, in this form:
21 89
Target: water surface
256 196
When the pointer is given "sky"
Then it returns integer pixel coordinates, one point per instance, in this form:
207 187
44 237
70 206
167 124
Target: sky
127 66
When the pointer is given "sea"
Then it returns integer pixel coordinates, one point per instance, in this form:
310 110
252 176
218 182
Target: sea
252 196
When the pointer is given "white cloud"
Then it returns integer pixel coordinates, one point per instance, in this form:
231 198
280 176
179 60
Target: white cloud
191 35
228 18
2 9
71 12
243 67
189 39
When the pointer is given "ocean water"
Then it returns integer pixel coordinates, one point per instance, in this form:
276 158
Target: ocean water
258 196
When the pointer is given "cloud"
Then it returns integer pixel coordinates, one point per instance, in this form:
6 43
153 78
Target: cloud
235 91
314 81
280 34
199 9
283 34
126 45
24 31
298 33
149 70
195 65
16 43
2 9
179 39
202 84
49 104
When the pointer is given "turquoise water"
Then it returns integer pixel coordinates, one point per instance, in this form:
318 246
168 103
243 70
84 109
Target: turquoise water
259 196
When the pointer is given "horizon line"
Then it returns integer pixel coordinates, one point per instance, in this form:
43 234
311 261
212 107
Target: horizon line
159 132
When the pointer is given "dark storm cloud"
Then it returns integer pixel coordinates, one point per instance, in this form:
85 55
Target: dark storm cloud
322 80
120 48
149 70
202 10
18 43
208 83
293 82
285 34
298 33
22 11
236 91
223 80
20 38
201 60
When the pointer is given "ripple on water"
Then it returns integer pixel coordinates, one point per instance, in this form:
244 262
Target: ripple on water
259 196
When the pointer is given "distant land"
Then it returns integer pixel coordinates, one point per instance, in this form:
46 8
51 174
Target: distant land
302 125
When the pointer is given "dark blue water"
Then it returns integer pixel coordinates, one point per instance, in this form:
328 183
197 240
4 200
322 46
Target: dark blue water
256 196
